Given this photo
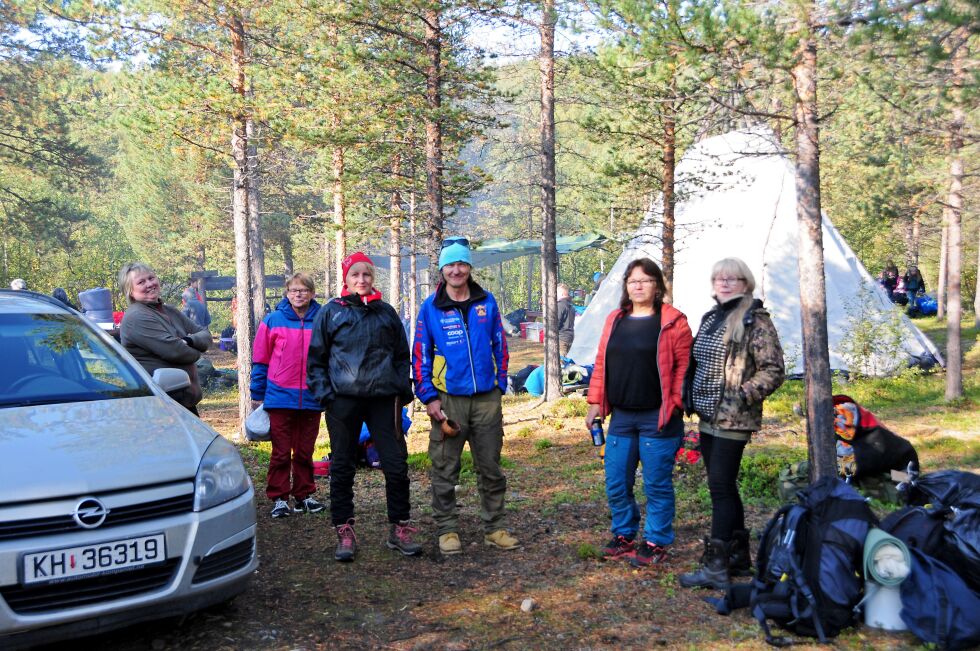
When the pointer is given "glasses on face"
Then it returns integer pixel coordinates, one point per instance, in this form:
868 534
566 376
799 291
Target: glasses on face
639 282
728 281
297 291
449 241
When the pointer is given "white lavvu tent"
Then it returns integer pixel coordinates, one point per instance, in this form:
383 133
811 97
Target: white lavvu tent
737 198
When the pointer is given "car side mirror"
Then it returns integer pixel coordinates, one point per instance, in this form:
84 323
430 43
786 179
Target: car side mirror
171 379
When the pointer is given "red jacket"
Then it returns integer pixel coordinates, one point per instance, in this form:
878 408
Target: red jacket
673 352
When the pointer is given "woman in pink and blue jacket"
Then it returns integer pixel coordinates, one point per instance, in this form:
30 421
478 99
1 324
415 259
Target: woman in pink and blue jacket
279 360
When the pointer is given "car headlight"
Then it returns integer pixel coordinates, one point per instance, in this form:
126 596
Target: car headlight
221 476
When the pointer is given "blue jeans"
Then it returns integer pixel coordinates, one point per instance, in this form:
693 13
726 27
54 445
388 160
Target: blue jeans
631 441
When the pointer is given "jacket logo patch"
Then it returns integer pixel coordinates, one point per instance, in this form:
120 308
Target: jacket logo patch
481 310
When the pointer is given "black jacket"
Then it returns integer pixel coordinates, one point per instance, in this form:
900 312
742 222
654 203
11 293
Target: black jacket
566 320
359 351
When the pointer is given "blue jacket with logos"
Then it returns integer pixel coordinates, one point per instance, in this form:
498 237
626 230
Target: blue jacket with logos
458 356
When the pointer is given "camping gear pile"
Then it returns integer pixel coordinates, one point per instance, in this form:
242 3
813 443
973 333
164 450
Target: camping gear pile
822 560
867 454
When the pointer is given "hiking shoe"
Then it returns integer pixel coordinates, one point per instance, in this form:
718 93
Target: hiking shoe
346 543
281 509
308 505
501 539
449 544
400 538
713 572
649 554
619 547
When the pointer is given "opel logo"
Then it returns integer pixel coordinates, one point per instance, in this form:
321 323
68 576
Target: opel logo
90 513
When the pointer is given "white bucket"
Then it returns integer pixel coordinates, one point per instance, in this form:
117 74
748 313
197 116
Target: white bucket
883 607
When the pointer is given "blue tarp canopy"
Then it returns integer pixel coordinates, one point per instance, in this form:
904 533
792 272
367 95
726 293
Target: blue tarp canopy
493 252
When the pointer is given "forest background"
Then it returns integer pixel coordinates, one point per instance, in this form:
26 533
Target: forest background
134 129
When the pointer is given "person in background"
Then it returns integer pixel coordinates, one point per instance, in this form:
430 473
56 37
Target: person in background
914 283
566 320
460 369
194 308
60 294
736 362
279 383
18 285
639 368
889 279
158 335
359 371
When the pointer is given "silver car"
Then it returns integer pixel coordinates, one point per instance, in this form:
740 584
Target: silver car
117 505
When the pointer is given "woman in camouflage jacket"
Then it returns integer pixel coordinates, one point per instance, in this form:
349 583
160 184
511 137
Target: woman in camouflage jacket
736 361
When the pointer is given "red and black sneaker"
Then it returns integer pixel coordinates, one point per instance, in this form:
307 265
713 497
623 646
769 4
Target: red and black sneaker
649 554
619 547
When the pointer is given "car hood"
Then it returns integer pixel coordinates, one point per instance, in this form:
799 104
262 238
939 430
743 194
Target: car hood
86 447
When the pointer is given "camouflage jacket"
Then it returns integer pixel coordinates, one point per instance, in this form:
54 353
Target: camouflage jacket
753 369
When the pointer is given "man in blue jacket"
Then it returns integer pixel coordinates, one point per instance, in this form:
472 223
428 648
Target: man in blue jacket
460 369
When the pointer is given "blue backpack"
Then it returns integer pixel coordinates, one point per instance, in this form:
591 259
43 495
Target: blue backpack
938 606
810 560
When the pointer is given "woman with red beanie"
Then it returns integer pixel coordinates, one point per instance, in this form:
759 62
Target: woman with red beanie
359 371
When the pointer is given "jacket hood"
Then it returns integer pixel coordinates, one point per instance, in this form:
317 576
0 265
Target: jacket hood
287 310
443 302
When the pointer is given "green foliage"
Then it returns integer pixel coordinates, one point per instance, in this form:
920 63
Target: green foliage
588 551
420 461
525 432
873 342
759 470
543 444
570 408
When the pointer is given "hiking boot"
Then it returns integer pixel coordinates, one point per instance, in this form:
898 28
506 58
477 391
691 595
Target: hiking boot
619 547
308 505
649 553
501 539
449 544
713 572
739 554
346 543
281 509
400 538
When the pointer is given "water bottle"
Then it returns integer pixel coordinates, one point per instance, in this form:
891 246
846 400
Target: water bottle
598 438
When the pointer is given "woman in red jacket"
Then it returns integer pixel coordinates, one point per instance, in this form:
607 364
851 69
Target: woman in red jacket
638 375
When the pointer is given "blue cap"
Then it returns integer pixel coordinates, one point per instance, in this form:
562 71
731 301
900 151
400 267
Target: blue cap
455 253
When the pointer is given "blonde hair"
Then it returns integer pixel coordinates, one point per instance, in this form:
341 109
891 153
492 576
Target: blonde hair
735 267
126 277
303 278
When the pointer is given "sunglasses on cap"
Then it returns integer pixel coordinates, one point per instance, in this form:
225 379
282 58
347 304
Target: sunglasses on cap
449 241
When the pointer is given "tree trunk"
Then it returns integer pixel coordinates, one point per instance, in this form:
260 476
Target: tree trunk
529 276
395 240
327 262
943 263
813 295
667 237
287 254
255 245
954 351
339 213
433 134
976 291
245 332
413 279
549 249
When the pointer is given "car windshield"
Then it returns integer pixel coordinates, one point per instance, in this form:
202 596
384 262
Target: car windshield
56 358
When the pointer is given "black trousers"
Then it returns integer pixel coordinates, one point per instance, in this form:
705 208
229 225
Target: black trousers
722 458
345 416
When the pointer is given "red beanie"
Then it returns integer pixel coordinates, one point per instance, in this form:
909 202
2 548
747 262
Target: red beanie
353 259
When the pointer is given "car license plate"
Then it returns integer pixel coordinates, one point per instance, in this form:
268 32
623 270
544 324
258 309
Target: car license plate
87 560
